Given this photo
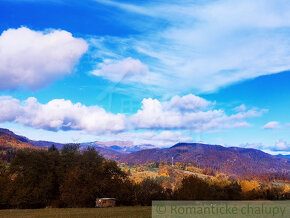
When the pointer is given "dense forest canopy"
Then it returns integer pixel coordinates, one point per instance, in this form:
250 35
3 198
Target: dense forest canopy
73 178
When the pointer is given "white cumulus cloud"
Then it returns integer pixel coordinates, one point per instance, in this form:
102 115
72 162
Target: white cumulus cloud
188 102
60 114
125 70
271 125
282 145
9 107
240 108
158 115
32 59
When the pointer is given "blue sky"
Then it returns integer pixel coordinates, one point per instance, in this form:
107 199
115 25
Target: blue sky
154 72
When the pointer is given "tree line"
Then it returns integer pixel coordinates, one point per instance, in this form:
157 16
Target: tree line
73 178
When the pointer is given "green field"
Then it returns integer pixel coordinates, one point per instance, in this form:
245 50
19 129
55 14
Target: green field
78 212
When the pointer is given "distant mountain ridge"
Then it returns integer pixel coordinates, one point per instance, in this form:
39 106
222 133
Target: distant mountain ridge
107 149
284 156
119 146
230 160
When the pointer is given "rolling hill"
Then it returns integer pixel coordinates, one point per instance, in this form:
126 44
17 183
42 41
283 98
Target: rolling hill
230 160
9 139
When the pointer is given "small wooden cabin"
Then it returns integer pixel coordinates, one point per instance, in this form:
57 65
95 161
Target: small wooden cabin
105 202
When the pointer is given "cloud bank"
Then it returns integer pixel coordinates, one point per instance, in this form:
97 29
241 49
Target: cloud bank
188 112
279 147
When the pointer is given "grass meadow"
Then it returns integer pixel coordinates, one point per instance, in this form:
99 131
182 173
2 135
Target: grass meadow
119 212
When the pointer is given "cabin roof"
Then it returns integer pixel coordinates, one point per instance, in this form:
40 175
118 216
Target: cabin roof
106 198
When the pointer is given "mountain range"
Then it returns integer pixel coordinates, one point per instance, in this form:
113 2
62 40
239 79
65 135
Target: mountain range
233 161
118 146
